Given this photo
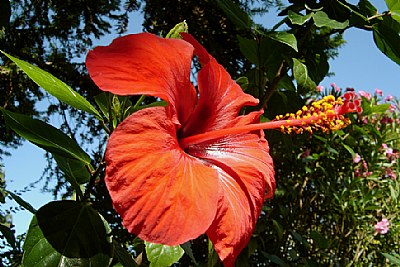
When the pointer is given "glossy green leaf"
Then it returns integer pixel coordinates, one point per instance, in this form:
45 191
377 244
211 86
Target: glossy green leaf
387 38
103 101
67 233
22 202
161 255
44 136
54 86
321 19
298 19
367 8
285 38
394 259
300 73
75 172
238 16
73 169
394 7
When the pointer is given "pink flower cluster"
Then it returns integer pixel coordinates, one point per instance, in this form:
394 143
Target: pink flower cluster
382 227
363 169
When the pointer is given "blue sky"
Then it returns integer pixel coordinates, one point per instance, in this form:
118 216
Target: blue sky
359 65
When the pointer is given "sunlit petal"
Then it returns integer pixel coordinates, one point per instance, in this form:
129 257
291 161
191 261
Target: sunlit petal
162 194
245 172
221 98
146 64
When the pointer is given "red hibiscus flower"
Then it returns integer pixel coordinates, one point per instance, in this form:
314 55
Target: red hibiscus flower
195 166
166 193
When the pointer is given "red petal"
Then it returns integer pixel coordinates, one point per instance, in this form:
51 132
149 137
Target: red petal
245 169
221 98
146 64
162 194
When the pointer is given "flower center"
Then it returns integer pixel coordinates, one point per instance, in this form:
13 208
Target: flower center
326 114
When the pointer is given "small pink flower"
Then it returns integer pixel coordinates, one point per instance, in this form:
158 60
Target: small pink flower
386 120
320 88
390 153
389 98
378 92
365 94
392 108
382 227
356 158
390 173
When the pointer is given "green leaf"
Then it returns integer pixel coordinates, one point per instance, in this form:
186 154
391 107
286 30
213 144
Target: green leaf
394 7
187 247
278 228
239 17
243 82
300 73
44 136
67 233
321 19
285 38
319 240
387 39
73 169
275 259
54 86
272 55
349 149
380 108
22 202
161 255
367 8
298 19
395 258
8 234
103 101
175 31
249 49
317 67
301 239
124 257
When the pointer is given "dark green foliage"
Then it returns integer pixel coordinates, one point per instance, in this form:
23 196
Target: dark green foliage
52 34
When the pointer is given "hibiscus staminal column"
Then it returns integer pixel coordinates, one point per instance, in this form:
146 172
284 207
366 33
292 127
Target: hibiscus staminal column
326 114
